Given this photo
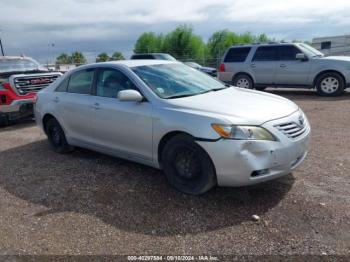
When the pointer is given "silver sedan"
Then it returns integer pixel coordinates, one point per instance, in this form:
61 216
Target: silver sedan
164 114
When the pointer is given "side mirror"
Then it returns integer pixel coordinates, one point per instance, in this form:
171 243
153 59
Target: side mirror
301 57
130 95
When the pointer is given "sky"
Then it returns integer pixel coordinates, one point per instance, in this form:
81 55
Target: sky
30 27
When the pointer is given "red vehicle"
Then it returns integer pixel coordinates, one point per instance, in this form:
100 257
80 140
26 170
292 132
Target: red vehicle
20 79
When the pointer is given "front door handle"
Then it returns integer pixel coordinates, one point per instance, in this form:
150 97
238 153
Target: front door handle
96 106
56 99
283 65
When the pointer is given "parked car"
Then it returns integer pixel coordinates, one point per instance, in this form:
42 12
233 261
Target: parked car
208 70
169 116
20 79
157 56
285 65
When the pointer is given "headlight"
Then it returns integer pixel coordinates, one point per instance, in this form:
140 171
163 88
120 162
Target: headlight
243 132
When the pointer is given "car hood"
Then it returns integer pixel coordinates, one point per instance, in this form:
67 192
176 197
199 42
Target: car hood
238 106
336 58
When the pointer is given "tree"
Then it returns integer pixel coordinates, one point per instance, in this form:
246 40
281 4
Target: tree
103 57
148 43
78 58
117 56
63 59
221 40
183 44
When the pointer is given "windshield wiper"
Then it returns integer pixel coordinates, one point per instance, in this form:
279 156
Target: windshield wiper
179 96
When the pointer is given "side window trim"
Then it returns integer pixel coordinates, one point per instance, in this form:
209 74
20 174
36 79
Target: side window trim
66 89
98 69
92 82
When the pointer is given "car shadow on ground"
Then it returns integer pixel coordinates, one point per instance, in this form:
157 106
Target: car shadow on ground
126 195
18 124
309 95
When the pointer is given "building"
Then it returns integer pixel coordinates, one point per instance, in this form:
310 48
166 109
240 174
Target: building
333 45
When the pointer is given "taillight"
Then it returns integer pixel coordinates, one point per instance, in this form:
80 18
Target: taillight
222 68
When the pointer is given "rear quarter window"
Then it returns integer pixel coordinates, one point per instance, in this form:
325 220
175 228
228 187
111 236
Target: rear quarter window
237 54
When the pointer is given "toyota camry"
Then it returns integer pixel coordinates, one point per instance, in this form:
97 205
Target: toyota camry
164 114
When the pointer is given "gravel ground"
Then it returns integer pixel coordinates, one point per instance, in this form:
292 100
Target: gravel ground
89 203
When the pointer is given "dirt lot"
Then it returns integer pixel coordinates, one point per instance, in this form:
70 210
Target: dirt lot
88 203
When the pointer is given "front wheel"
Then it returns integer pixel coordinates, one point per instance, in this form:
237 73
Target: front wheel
243 81
187 166
330 84
56 137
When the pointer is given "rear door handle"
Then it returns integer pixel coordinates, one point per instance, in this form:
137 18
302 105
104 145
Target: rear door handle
283 65
56 99
252 65
96 106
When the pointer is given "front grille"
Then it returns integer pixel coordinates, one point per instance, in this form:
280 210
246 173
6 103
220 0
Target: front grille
292 129
33 84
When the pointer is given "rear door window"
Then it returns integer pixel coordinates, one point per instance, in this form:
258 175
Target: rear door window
288 52
266 53
80 82
237 54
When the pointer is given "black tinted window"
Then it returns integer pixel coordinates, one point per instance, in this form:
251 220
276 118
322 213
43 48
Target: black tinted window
80 82
326 45
111 81
266 53
288 52
63 86
142 57
237 54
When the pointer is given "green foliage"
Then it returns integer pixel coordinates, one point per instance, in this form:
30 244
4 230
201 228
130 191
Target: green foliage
148 43
183 44
78 58
117 56
103 57
221 40
63 59
75 58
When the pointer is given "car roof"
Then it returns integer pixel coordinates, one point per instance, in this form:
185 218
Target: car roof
13 57
140 62
150 54
263 44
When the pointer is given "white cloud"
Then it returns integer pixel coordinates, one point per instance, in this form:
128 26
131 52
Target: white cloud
109 24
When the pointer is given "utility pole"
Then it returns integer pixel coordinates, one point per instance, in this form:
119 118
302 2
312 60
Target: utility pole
1 47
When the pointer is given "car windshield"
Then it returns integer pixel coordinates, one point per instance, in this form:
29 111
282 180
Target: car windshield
18 65
166 57
310 51
193 64
176 80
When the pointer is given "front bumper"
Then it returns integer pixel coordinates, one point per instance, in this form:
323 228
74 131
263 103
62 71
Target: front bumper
18 109
244 162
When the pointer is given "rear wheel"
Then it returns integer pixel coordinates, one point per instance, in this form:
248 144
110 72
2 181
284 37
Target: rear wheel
187 166
56 137
243 81
330 84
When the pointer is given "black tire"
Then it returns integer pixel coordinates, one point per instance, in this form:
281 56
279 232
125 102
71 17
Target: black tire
4 120
56 137
334 87
243 81
187 167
